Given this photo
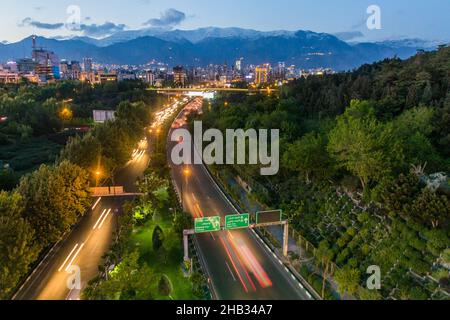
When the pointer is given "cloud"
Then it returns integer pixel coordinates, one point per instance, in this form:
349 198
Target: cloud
169 18
101 30
349 35
40 25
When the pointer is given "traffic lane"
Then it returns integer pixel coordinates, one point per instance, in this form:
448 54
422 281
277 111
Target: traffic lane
223 256
270 282
203 199
94 247
49 282
134 170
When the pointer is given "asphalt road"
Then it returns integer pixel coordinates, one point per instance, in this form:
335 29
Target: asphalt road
85 245
239 265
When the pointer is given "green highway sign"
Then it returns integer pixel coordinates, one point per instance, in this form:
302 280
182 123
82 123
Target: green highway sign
238 221
208 224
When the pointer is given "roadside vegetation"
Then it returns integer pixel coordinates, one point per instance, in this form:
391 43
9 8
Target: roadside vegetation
146 260
37 210
364 172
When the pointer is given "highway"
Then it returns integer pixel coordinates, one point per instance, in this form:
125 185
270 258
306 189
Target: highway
240 267
86 244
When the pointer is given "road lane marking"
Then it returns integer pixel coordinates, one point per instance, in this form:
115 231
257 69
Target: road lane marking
98 221
68 257
74 257
308 294
96 203
229 269
106 216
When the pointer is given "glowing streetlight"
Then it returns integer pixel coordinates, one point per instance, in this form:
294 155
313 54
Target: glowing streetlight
98 173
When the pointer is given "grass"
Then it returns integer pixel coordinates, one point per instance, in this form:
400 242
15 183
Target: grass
141 240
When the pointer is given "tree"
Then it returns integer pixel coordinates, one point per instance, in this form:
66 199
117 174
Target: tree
157 238
359 143
398 195
366 294
164 286
8 179
128 281
324 256
198 284
308 156
431 209
17 248
54 199
84 152
348 280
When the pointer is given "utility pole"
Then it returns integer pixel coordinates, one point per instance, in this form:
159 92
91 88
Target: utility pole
286 239
186 234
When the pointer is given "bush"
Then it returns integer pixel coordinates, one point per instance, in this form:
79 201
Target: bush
164 286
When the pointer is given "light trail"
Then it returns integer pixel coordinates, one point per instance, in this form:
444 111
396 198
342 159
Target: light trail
106 216
68 257
98 221
234 265
96 203
74 257
241 263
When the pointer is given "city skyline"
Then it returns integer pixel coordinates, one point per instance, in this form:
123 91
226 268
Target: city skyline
99 19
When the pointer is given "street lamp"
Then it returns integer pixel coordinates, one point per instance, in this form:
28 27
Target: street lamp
97 177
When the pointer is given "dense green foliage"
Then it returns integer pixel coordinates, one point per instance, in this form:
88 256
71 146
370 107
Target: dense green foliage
109 146
359 154
46 203
33 133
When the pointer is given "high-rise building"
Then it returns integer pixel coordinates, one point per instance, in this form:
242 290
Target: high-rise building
88 65
262 74
149 77
26 65
47 67
280 71
239 65
179 76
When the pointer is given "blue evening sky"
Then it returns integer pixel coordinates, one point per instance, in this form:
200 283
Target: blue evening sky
400 18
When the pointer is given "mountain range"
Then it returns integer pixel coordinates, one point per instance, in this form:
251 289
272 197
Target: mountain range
200 47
